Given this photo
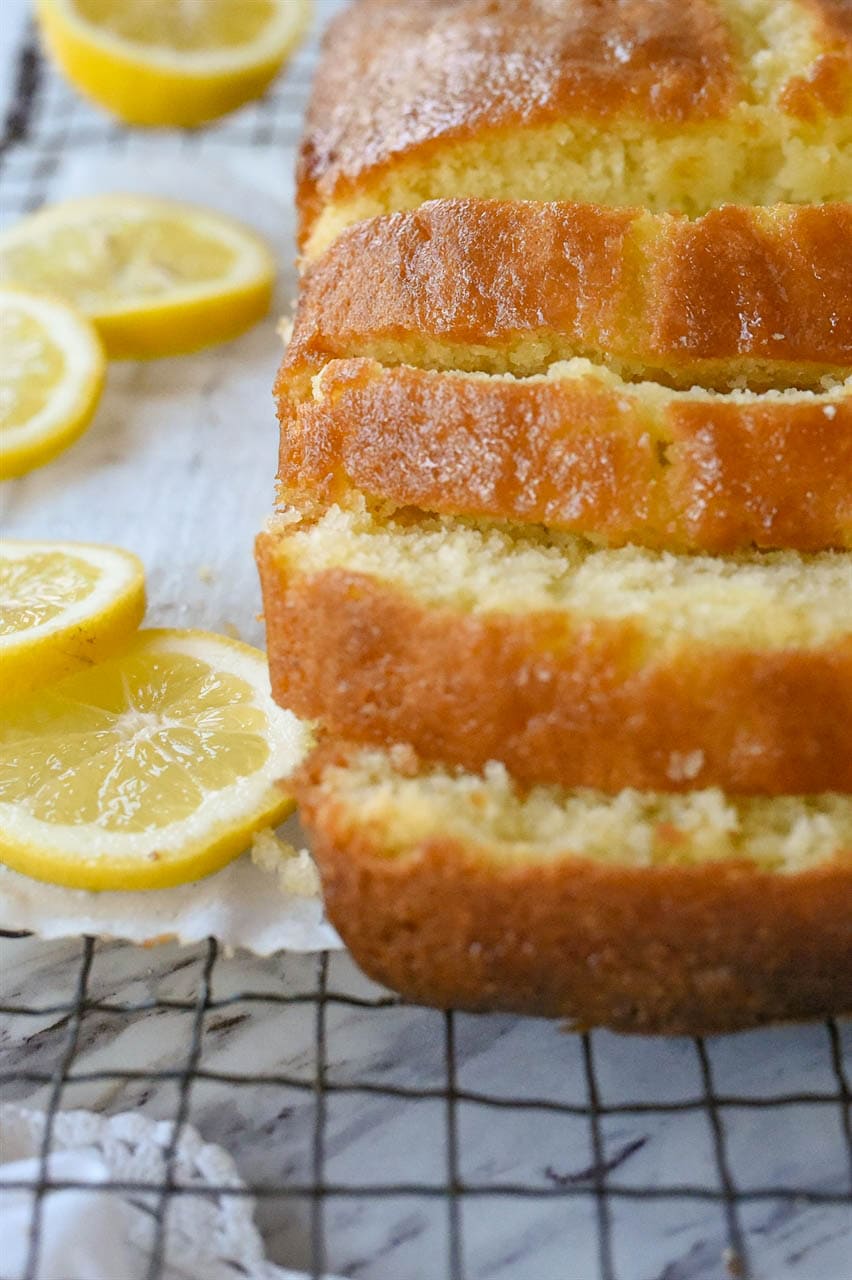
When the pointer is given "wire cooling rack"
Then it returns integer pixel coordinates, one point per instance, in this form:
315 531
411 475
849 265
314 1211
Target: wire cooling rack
464 1147
464 1069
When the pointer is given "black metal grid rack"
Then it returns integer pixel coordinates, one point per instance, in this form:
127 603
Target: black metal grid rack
597 1186
44 122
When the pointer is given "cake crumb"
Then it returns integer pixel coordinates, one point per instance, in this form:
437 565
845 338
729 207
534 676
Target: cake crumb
403 758
295 868
206 574
232 631
683 766
733 1263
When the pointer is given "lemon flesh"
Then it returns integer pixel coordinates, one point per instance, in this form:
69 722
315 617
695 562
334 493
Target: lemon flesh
149 770
171 62
51 376
181 26
63 606
155 277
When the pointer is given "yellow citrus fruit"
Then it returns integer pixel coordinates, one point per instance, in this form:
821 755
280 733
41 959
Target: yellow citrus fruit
171 62
63 605
155 277
148 770
51 376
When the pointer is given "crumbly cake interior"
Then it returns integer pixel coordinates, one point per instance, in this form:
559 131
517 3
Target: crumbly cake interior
770 600
690 172
386 794
653 397
536 355
766 149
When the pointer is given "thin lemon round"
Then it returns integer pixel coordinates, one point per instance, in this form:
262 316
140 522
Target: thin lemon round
51 376
63 605
171 62
149 770
155 277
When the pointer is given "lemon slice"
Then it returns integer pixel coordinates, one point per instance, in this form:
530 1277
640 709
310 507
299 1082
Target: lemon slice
63 605
51 376
171 62
151 769
156 277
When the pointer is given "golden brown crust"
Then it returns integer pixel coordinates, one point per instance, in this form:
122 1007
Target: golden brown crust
575 454
586 706
443 69
741 292
835 16
826 87
668 949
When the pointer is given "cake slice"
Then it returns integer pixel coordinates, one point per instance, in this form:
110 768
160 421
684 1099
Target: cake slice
572 664
741 297
679 104
579 450
695 913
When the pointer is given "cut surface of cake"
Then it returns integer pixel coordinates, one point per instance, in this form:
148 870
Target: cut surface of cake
643 911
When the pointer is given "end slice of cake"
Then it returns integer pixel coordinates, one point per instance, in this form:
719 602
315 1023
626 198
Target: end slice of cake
679 104
642 911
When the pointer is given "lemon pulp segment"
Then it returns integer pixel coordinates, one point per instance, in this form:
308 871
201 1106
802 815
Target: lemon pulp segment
181 26
35 590
31 366
123 254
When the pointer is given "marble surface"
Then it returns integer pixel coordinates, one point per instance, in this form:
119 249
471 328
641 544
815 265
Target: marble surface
521 1119
178 466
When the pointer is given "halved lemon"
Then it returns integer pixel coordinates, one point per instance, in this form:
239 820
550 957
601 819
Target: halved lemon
171 62
151 769
51 376
63 605
155 277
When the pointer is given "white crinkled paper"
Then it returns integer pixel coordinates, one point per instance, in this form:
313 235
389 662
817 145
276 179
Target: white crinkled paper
92 1234
241 906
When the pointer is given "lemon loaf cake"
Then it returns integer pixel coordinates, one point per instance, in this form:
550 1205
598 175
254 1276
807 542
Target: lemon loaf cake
646 911
669 104
578 449
570 664
562 558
